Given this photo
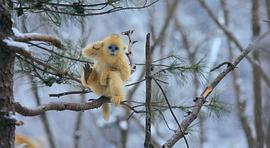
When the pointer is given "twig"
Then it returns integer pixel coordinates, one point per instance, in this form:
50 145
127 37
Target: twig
221 64
163 117
87 91
69 93
130 50
60 55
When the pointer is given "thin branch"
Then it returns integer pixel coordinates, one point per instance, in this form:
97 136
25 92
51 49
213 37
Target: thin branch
111 10
60 55
60 73
166 123
88 91
130 50
69 93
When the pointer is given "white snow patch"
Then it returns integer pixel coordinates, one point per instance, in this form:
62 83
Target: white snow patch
16 32
11 42
123 125
30 34
21 146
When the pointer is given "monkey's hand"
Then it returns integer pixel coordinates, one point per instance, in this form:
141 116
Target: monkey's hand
98 45
104 77
87 71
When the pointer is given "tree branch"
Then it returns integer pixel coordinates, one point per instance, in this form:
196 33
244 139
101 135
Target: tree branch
199 101
148 141
60 106
40 37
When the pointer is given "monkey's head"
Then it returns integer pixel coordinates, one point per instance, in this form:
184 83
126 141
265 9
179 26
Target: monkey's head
108 50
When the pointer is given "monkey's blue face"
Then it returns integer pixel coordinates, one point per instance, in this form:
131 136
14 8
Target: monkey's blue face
113 49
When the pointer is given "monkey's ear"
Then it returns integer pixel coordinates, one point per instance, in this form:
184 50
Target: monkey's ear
98 45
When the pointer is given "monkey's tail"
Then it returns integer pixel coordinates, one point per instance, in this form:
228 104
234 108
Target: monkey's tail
106 111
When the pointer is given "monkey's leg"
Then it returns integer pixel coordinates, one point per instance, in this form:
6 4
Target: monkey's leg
104 77
116 87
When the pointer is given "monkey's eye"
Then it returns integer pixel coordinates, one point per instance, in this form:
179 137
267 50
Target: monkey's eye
113 47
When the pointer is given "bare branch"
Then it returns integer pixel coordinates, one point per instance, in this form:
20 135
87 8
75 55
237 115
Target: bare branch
130 50
87 91
38 37
70 93
83 11
60 106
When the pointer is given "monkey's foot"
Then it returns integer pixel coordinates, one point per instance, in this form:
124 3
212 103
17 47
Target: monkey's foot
116 100
87 71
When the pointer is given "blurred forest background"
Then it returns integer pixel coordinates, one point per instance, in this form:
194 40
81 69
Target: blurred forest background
188 39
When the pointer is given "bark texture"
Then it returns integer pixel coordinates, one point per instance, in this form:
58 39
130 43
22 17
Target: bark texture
7 123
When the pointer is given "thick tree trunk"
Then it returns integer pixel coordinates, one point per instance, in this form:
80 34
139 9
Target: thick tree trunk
7 124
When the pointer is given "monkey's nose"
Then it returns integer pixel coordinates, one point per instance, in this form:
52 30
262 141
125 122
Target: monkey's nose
113 47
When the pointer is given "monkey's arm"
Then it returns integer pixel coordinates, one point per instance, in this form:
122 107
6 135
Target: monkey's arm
88 75
91 50
124 69
116 87
104 77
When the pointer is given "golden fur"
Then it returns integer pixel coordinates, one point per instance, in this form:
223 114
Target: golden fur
26 141
110 69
